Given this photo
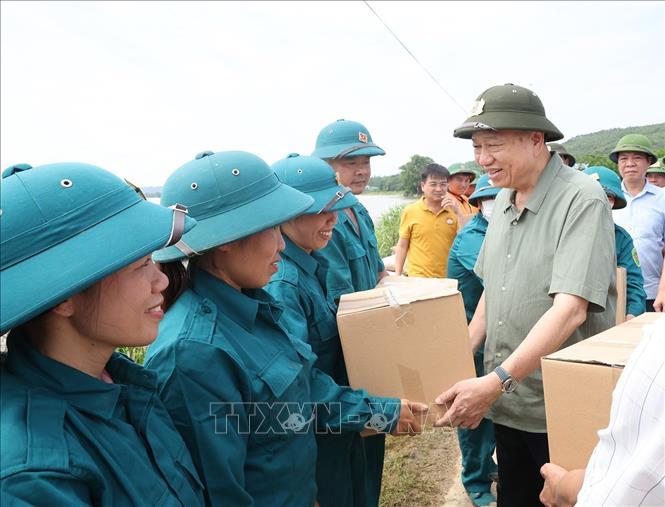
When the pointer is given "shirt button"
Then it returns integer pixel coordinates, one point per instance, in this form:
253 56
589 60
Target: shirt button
514 222
206 309
498 355
503 289
501 323
508 256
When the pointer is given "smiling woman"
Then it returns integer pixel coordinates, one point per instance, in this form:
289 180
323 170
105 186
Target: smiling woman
78 281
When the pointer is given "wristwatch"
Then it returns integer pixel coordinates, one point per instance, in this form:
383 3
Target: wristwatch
508 383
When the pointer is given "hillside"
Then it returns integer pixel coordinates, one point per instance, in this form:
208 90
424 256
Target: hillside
602 142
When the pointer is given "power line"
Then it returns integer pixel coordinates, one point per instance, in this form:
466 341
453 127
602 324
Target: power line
415 59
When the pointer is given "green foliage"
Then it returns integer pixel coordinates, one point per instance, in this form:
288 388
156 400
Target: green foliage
387 230
603 142
390 183
136 354
410 174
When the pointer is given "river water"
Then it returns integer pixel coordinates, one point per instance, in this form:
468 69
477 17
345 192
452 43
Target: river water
376 204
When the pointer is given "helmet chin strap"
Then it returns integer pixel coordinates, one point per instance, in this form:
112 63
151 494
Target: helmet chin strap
177 225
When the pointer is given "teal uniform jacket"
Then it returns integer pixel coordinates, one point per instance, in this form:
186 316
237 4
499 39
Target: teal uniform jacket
354 264
71 439
627 258
462 258
242 392
308 314
353 260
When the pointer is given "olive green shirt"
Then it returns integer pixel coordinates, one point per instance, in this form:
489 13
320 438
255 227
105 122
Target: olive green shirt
561 242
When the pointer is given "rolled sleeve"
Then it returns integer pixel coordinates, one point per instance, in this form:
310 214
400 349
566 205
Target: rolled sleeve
584 260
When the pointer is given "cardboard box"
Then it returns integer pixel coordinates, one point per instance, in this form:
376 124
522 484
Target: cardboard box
407 338
622 287
578 383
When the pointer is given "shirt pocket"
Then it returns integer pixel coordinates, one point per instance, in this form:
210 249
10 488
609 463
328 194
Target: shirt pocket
355 251
279 373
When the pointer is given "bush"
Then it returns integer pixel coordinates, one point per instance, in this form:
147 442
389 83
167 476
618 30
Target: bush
136 354
387 230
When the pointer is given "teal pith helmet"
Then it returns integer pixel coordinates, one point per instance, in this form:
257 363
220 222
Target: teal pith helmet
314 177
470 168
232 194
638 143
561 150
610 182
658 167
64 227
508 107
345 138
484 190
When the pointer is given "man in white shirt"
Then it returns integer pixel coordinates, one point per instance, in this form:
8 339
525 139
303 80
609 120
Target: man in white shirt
644 215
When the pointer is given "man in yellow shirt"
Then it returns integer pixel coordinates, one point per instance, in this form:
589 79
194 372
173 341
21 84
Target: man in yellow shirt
428 227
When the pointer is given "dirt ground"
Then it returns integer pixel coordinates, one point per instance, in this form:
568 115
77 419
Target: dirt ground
423 471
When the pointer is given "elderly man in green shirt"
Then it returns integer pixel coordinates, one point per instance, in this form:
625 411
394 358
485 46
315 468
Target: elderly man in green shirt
548 263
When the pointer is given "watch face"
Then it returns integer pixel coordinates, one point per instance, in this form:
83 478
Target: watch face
509 385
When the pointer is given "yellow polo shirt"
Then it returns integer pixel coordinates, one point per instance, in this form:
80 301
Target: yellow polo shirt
430 237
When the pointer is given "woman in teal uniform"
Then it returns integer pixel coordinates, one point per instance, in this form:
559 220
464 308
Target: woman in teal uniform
352 255
626 253
82 424
310 315
240 387
476 445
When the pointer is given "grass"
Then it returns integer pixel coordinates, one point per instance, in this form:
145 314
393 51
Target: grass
136 354
419 470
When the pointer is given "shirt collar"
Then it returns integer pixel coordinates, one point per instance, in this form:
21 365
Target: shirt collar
648 188
543 185
86 393
299 257
244 307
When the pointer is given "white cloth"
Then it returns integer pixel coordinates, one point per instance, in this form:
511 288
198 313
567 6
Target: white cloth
627 467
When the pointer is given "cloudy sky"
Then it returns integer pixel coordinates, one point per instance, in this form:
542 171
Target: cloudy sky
140 88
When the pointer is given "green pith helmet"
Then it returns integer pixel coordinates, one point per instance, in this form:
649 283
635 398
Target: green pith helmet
345 138
508 107
610 182
470 168
657 167
484 190
561 150
638 143
314 177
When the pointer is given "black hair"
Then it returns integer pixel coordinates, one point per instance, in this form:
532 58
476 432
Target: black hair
434 170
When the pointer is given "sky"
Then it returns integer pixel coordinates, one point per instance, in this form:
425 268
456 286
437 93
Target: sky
140 88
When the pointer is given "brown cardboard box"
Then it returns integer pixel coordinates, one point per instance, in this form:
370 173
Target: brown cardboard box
407 338
578 383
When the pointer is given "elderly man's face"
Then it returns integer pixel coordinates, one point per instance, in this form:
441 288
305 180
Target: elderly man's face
507 156
633 165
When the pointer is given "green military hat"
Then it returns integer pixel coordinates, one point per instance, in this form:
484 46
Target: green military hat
561 150
232 194
317 179
345 138
657 167
610 182
638 143
470 168
65 226
508 107
484 190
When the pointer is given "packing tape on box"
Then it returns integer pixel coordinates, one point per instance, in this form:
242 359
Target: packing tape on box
401 315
